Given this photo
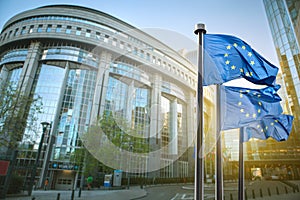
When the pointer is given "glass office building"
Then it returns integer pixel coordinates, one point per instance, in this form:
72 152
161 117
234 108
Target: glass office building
284 22
84 64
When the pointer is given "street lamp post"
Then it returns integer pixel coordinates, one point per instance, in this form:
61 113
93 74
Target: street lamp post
45 126
128 177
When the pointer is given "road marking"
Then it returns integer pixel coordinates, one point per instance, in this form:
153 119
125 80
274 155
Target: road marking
190 196
175 196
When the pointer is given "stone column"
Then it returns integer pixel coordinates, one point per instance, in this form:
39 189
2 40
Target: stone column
30 67
101 85
155 122
173 143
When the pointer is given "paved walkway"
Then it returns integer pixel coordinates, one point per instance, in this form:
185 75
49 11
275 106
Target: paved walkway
133 193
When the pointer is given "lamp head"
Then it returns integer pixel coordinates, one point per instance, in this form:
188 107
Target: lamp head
45 124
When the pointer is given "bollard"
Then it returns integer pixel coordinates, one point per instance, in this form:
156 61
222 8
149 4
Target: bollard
231 198
277 190
286 190
79 193
253 194
72 195
269 192
294 189
260 191
33 198
58 196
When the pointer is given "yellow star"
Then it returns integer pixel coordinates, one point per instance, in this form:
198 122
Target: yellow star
243 47
235 45
266 127
228 47
233 67
241 70
227 62
247 115
258 126
247 91
251 73
258 110
272 124
262 130
252 62
276 120
241 95
254 115
242 110
259 96
259 103
226 55
240 103
249 54
247 74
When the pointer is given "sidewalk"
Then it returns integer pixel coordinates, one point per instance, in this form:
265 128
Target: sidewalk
290 196
123 194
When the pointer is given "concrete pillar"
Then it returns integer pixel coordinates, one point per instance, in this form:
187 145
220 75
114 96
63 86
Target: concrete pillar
155 122
130 96
3 75
173 144
101 85
30 67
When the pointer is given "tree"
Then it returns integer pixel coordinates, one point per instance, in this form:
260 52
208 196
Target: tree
18 112
111 143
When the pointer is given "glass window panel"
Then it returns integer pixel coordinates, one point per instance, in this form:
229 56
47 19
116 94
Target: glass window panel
49 27
58 28
39 29
47 78
68 29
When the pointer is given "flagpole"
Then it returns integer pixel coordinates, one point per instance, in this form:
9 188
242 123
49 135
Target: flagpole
219 166
199 161
241 165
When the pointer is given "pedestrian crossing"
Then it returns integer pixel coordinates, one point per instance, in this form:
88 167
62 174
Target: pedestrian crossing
190 196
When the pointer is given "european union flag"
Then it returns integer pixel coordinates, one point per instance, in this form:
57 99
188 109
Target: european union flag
227 57
241 106
277 127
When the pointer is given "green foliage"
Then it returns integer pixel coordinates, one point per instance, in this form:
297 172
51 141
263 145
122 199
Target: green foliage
17 113
15 185
123 136
113 136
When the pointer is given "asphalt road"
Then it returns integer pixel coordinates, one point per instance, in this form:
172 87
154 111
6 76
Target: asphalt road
254 190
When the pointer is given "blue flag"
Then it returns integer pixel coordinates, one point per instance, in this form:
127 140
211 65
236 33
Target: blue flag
227 57
277 127
241 106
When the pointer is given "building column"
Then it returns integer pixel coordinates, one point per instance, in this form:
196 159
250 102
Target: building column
153 163
30 67
155 122
101 86
130 96
173 144
3 75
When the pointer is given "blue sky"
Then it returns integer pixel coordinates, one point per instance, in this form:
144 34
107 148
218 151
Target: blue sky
165 18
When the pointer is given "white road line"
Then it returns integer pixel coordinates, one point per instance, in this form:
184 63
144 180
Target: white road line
175 196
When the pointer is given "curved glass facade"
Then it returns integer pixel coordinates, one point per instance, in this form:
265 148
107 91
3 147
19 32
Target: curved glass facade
71 54
74 117
128 76
14 56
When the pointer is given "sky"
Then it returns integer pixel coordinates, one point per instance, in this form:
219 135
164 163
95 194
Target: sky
173 21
